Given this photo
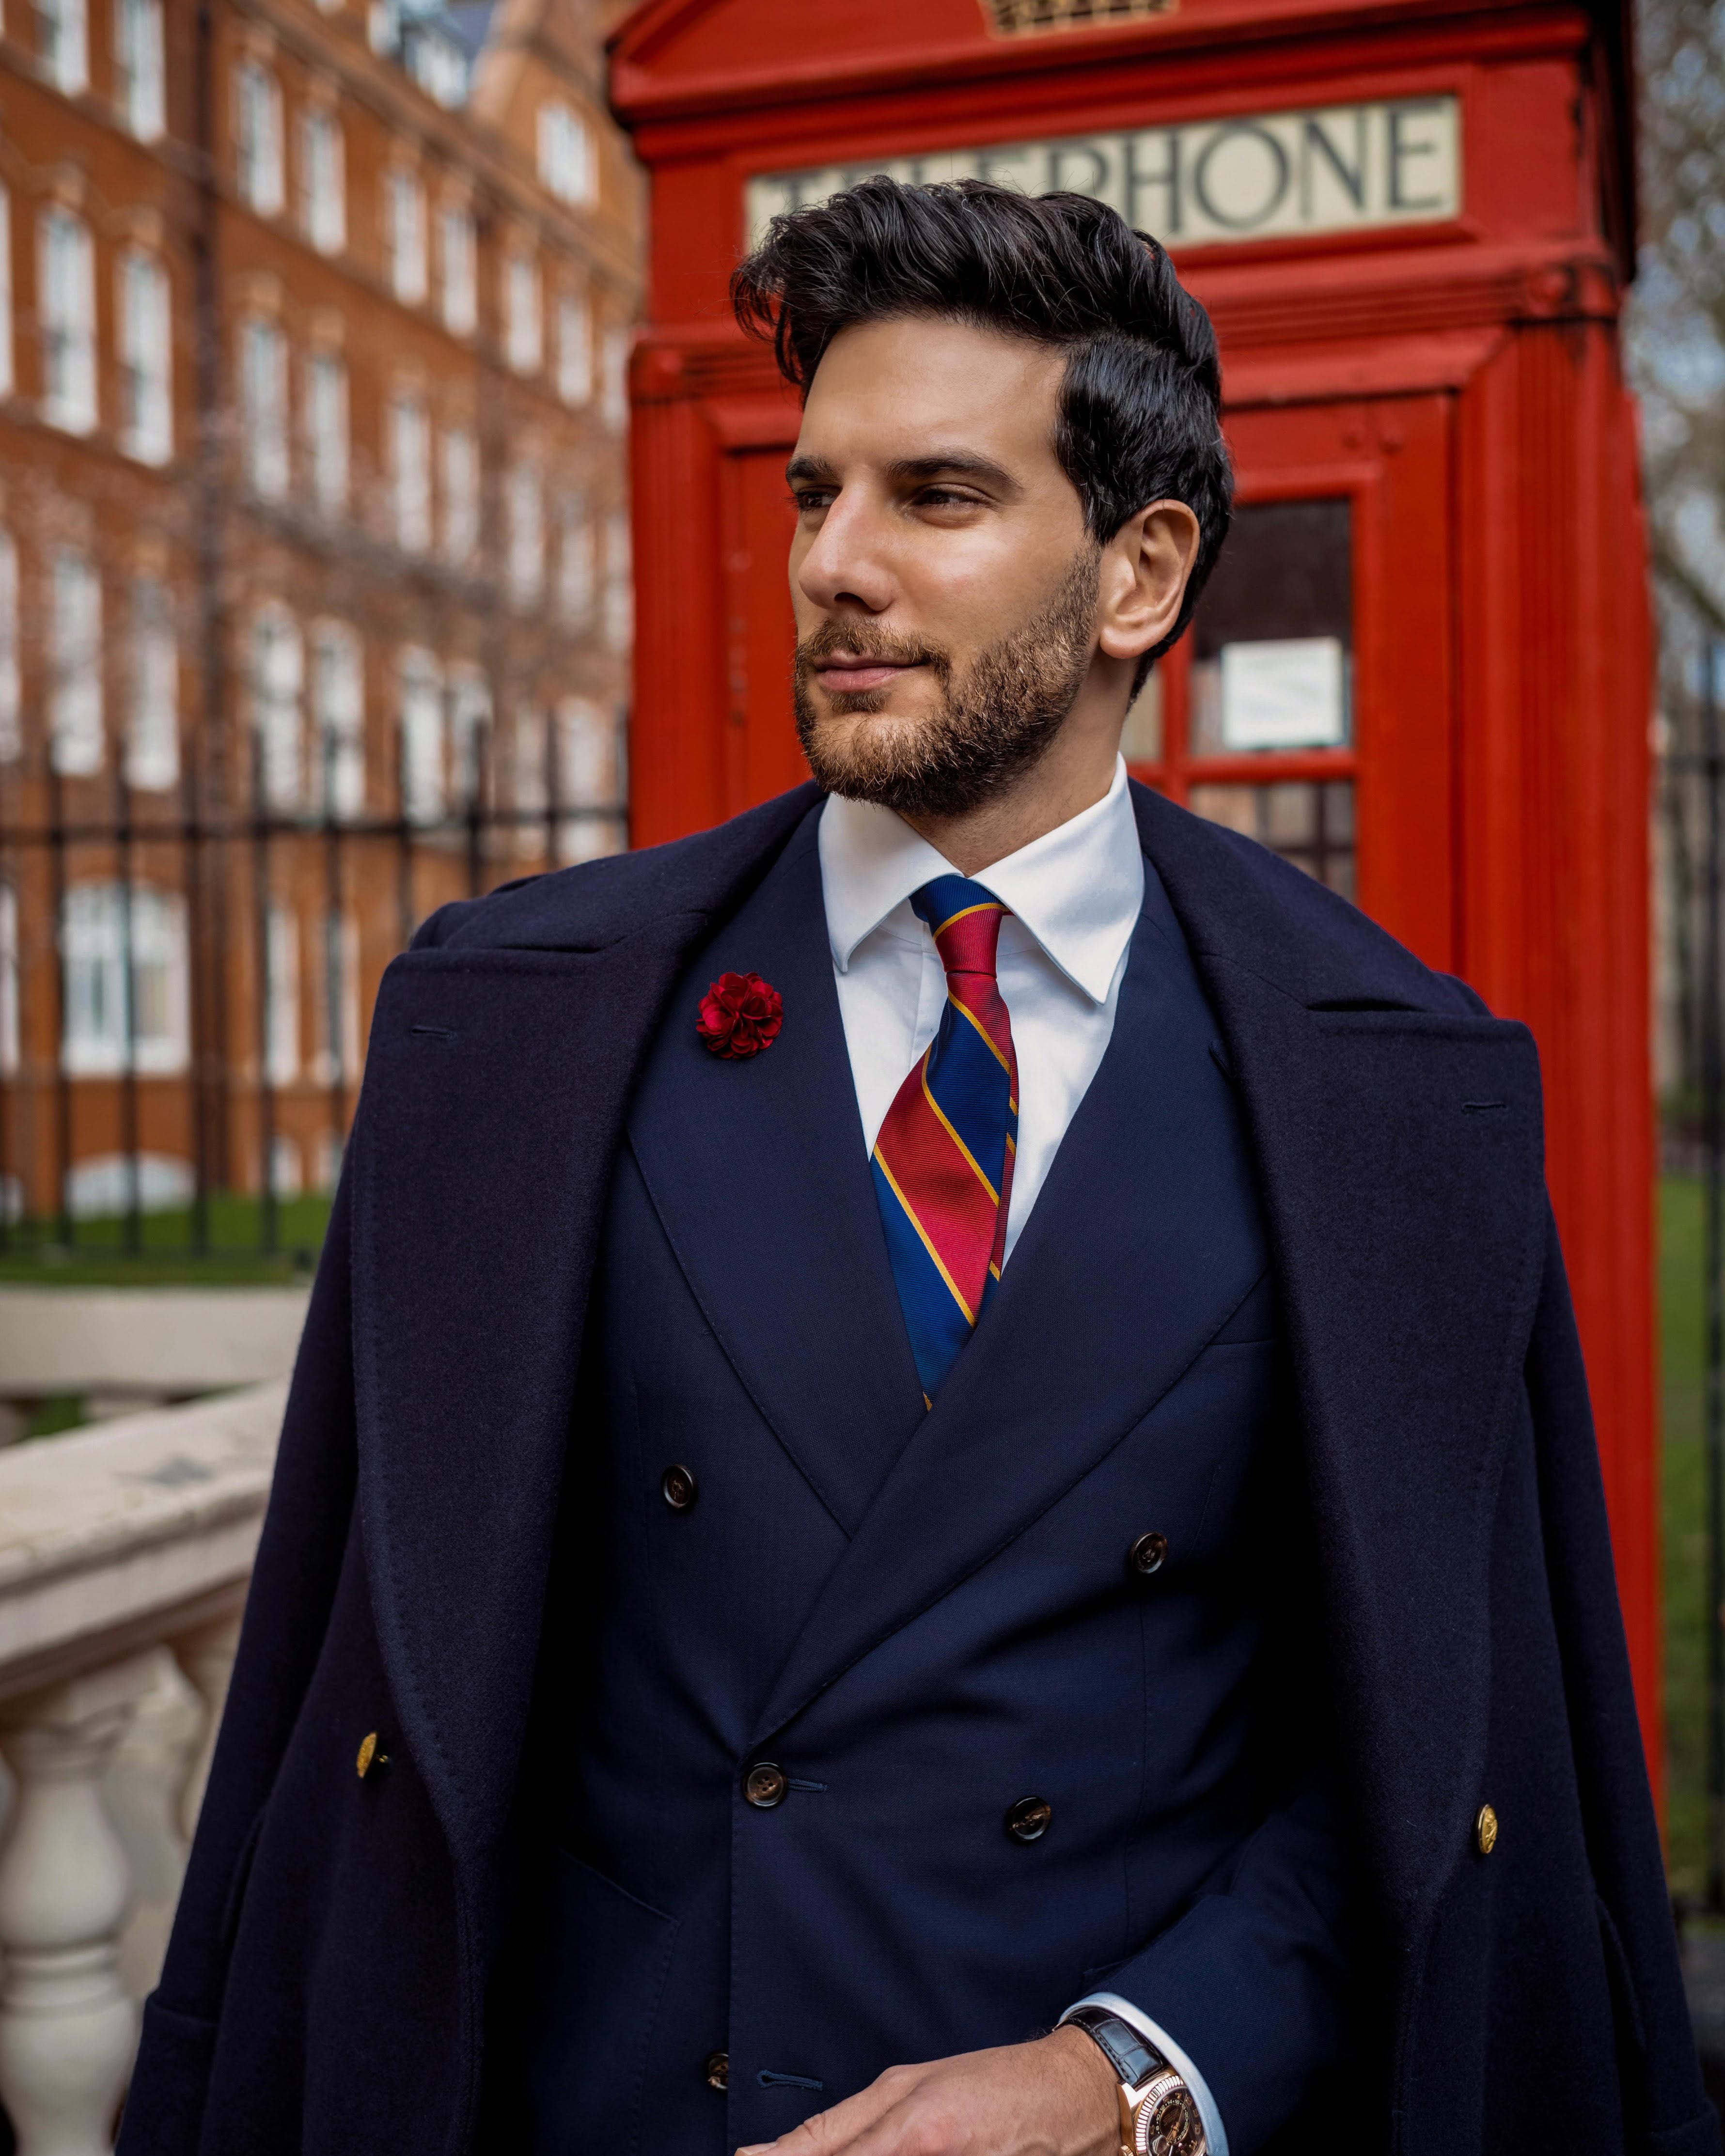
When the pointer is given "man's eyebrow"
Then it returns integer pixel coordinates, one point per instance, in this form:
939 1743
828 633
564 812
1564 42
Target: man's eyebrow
956 463
811 470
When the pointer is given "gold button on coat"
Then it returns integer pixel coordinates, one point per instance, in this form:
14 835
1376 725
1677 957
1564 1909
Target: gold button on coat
1484 1830
765 1786
716 2070
369 1755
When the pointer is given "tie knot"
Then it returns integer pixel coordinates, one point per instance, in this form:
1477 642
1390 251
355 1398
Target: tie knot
965 918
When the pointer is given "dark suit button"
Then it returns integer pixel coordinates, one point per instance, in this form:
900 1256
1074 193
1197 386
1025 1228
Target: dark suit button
716 2070
1029 1819
678 1485
765 1786
1148 1553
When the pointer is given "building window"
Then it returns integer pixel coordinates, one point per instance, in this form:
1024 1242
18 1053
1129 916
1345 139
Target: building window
406 200
257 132
575 562
12 733
526 534
338 720
281 999
277 666
529 786
263 401
152 732
410 472
68 316
422 736
7 378
619 582
574 348
120 1016
140 76
470 722
457 268
326 430
338 1014
566 165
74 653
589 778
63 33
323 181
613 393
145 359
9 993
458 455
523 330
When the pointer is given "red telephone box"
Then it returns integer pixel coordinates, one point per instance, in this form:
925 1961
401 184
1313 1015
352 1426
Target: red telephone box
1421 670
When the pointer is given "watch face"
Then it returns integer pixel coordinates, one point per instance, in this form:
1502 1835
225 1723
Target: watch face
1167 2124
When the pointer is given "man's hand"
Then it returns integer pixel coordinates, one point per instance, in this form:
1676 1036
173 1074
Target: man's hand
1054 2098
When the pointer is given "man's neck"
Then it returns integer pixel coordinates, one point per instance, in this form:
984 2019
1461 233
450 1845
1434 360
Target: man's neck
1071 778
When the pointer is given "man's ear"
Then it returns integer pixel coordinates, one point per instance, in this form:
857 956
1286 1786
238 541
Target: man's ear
1146 568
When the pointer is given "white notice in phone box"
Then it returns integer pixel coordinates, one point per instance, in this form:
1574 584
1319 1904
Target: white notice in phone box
1288 692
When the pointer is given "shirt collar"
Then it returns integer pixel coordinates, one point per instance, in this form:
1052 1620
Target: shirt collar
1078 890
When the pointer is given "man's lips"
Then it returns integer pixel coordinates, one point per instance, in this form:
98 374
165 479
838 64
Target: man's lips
842 673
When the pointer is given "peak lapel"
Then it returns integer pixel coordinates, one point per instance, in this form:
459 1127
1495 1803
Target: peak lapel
1136 1253
759 1174
495 1084
1401 1158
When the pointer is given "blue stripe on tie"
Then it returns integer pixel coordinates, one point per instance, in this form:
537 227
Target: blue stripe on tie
947 895
969 1086
936 1324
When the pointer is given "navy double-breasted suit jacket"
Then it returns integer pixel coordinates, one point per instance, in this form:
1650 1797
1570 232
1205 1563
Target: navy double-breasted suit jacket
327 1981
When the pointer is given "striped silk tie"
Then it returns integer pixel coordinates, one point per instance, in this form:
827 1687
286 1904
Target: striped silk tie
942 1162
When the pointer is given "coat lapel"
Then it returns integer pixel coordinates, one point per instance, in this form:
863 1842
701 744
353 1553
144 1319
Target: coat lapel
1137 1251
1398 1135
497 1072
760 1178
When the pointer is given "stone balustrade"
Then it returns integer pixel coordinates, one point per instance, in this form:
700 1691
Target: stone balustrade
125 1551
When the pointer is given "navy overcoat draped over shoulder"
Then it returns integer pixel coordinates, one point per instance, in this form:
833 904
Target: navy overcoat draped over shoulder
326 1986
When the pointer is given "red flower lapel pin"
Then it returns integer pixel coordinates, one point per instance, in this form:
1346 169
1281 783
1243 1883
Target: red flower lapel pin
739 1015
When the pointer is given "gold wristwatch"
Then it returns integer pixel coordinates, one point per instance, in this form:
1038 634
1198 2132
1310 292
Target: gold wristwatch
1158 2115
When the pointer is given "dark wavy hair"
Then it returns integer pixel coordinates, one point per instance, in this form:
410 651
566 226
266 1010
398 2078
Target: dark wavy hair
1139 417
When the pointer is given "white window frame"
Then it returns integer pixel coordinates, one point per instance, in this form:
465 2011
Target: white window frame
264 405
277 681
527 532
619 620
152 719
281 999
419 688
470 703
338 781
104 1006
64 29
569 162
577 566
590 777
140 68
410 471
459 484
574 362
323 179
613 377
523 313
405 195
327 438
145 339
458 268
12 729
78 747
66 308
258 138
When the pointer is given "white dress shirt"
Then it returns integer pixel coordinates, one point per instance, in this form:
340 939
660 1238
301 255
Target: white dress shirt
1075 895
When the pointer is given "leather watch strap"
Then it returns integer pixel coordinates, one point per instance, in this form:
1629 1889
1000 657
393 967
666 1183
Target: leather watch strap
1133 2059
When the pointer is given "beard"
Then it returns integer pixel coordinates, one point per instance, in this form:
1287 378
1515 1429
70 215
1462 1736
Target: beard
996 719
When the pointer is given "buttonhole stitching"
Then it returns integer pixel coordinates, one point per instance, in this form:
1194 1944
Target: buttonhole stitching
790 1784
767 2079
1481 1108
437 1032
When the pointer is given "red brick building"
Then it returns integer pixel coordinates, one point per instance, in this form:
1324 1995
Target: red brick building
314 603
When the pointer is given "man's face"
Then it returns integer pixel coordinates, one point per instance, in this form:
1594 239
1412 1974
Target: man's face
944 584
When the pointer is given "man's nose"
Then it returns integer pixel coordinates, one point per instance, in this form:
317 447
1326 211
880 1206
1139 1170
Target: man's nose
846 567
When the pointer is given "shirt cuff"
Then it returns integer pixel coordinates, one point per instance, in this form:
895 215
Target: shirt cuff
1215 2133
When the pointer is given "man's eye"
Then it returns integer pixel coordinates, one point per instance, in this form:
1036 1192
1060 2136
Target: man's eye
808 498
945 497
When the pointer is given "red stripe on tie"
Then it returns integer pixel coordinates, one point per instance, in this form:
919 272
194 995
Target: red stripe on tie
940 1188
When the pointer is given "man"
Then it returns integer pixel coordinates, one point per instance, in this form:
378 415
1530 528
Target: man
939 1500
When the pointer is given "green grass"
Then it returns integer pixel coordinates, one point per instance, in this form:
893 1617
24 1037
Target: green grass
1680 1316
97 1255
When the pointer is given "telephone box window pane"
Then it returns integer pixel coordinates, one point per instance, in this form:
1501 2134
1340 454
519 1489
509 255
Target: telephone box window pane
1273 635
1308 824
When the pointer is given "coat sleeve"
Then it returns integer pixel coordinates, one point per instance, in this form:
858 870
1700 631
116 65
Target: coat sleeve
1622 1834
306 1530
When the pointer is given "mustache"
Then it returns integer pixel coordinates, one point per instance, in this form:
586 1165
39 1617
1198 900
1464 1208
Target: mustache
863 639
